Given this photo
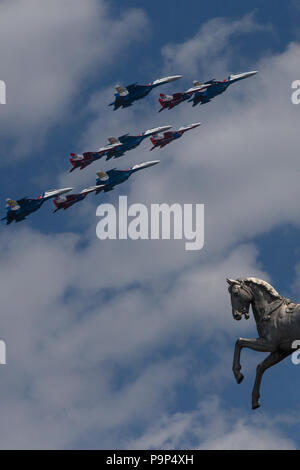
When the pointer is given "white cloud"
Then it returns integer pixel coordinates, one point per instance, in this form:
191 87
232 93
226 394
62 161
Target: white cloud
213 428
85 359
100 334
243 164
211 48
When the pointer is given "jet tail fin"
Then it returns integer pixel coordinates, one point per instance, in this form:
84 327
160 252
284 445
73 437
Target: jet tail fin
153 141
162 102
74 163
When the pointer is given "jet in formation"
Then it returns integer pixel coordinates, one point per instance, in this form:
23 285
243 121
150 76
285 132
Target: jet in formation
85 159
200 93
125 96
113 177
116 149
216 87
160 140
170 101
20 209
64 202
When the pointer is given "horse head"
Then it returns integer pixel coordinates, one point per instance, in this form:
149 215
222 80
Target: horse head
241 298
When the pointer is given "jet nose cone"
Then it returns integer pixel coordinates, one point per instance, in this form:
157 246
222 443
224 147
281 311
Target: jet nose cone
249 74
241 76
155 130
57 192
163 128
140 166
65 190
152 163
174 77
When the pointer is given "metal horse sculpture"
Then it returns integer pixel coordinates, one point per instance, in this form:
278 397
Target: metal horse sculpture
277 320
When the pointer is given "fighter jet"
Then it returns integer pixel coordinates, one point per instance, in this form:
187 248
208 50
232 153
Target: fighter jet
81 161
124 97
116 149
170 101
162 140
64 202
20 209
113 177
216 88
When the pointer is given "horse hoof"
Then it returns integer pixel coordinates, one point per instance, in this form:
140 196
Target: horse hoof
255 405
239 378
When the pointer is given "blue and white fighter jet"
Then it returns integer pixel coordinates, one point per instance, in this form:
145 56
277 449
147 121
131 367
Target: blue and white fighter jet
107 181
20 209
216 88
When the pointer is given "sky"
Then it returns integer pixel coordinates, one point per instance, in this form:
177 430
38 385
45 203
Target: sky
121 344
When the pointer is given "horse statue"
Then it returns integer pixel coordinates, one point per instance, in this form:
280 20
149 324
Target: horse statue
278 325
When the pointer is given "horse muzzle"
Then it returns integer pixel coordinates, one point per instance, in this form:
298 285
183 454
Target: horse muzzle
237 315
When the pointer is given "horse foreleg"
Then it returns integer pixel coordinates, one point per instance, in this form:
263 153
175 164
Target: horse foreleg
256 344
270 361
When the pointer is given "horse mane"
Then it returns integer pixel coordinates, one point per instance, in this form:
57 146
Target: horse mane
265 285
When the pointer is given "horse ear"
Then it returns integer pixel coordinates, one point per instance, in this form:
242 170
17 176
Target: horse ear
232 282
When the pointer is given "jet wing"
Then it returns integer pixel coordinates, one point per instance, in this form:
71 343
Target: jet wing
198 88
17 217
156 130
133 86
89 190
199 98
85 164
68 204
56 192
177 96
126 138
114 171
89 155
168 135
211 82
110 150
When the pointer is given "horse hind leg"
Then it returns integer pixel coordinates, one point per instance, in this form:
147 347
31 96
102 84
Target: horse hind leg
268 362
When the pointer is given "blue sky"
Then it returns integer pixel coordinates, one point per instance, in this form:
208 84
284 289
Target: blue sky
122 344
